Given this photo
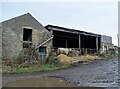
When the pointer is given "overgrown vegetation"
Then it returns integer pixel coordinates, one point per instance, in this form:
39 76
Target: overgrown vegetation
28 61
109 56
42 67
34 68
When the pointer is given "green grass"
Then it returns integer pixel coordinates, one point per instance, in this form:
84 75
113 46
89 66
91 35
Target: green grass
110 56
21 69
42 67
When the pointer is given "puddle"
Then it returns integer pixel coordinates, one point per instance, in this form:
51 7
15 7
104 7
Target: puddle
47 82
39 82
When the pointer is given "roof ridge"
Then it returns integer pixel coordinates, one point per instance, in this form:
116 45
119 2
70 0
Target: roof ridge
17 17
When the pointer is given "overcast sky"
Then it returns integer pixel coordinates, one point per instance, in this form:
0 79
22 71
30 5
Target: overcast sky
96 17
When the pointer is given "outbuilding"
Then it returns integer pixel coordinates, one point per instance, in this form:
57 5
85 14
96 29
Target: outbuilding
20 33
24 31
85 42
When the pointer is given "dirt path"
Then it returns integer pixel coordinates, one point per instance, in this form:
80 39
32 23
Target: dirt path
100 73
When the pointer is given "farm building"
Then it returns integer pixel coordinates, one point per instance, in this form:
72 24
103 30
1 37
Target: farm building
106 43
86 42
22 32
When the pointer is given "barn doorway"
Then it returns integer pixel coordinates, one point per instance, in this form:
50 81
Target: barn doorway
42 52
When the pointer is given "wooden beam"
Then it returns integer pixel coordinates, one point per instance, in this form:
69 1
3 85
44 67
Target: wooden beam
97 43
79 41
44 42
51 39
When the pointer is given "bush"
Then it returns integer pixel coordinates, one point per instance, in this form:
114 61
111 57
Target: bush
27 55
52 58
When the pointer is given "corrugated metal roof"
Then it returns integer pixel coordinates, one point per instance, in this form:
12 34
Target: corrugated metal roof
49 27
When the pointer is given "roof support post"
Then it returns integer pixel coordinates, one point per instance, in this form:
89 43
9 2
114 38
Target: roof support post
79 41
51 39
97 44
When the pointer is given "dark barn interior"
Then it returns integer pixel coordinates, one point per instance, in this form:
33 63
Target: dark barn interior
70 38
27 34
27 38
89 42
65 40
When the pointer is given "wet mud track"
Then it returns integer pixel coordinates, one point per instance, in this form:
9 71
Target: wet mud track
99 73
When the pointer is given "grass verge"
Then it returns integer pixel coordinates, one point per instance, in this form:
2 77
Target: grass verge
110 56
34 68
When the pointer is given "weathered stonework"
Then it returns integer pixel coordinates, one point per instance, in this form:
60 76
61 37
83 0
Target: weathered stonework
0 41
12 34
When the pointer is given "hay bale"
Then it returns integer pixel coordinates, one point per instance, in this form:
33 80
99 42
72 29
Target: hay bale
87 57
64 59
74 60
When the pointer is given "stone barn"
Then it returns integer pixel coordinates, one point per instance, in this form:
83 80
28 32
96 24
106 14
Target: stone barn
21 32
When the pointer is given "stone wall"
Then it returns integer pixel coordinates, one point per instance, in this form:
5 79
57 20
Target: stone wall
0 41
13 34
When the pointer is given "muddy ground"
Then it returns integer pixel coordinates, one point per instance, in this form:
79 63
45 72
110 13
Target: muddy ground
99 73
